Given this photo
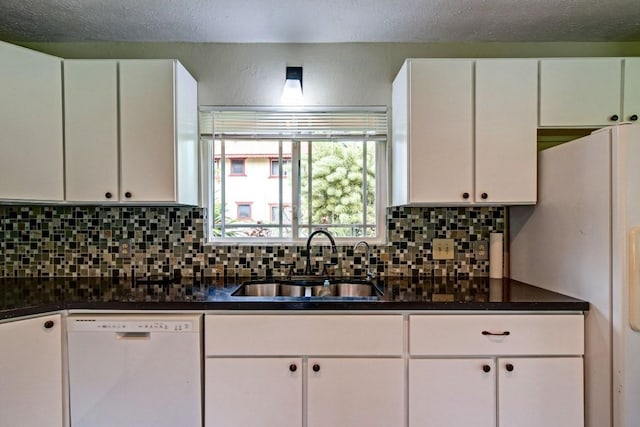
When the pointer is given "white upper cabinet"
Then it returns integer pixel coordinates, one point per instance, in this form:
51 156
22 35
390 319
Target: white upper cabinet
631 94
580 91
131 132
432 146
158 132
464 132
505 149
91 130
31 147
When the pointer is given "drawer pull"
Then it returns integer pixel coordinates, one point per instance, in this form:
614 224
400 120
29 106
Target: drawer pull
293 367
486 368
496 334
509 367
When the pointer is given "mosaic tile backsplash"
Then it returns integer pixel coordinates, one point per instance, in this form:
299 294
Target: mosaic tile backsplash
83 241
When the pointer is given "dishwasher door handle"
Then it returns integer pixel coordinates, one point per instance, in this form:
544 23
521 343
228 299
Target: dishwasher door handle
133 335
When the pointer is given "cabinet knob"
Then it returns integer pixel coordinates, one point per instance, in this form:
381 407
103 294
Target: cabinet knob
486 368
633 117
484 196
49 324
293 367
614 118
316 368
127 194
107 195
465 195
509 367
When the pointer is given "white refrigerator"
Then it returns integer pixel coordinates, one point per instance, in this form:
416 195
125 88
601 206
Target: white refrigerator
583 239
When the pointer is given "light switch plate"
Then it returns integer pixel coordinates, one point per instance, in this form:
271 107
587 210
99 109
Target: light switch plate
443 249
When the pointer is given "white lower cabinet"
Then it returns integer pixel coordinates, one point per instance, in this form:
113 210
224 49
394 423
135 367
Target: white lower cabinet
345 392
514 392
546 391
304 370
31 385
496 370
452 393
394 370
264 392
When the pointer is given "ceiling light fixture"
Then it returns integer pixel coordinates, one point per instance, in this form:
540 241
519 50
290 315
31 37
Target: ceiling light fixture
292 92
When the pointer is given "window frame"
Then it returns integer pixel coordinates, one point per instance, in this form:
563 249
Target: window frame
249 205
382 184
244 166
276 159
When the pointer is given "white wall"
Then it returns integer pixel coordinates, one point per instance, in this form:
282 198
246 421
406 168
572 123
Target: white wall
334 74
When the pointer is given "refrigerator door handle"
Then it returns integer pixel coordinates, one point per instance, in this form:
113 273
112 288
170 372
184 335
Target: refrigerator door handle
634 278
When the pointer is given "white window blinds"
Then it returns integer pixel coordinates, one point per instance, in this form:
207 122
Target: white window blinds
361 123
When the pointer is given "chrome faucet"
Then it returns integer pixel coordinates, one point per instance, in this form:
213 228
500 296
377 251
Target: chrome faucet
367 249
334 249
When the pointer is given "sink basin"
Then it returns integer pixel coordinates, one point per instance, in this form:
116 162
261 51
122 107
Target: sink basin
306 288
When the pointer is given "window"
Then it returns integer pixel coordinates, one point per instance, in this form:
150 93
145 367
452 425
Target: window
275 167
276 210
244 211
326 169
237 167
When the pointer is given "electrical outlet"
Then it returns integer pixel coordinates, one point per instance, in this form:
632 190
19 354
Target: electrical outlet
481 249
126 246
443 249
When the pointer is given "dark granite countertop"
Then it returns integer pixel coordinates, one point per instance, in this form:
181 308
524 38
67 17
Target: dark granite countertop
28 296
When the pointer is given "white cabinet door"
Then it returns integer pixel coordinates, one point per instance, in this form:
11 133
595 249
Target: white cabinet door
631 110
265 392
434 101
355 392
187 174
31 147
147 129
91 130
505 144
452 393
580 91
534 392
444 155
31 373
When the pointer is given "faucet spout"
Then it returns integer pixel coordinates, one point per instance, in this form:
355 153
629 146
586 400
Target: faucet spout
334 249
367 249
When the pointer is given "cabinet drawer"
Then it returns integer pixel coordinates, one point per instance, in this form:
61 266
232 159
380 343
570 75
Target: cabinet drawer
319 335
483 335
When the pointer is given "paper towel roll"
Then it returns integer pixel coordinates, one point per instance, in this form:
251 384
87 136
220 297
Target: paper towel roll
496 255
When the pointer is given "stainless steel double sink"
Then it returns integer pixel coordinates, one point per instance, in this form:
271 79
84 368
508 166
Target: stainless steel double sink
306 288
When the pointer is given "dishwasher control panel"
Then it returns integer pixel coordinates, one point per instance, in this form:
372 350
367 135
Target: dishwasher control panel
102 324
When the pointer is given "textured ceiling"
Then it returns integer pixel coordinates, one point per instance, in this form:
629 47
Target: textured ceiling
317 21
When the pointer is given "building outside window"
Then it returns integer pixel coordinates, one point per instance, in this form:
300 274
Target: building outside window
292 172
237 167
275 167
244 211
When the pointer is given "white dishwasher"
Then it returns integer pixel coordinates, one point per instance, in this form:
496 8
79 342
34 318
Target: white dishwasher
135 371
